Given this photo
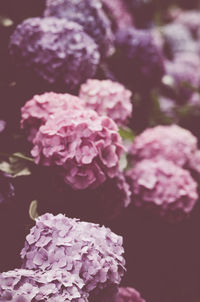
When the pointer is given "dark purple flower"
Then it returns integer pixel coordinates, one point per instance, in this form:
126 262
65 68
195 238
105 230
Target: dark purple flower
138 62
163 187
85 250
90 15
58 51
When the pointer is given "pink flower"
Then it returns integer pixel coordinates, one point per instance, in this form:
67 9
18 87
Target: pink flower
163 187
108 98
168 142
85 146
128 294
40 108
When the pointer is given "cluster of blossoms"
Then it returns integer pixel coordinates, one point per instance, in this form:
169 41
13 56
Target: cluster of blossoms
84 146
177 39
90 15
180 43
85 250
65 260
29 285
191 20
40 108
184 77
128 294
141 61
161 186
57 50
170 142
108 98
158 179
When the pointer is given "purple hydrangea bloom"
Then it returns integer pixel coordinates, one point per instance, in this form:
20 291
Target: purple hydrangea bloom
38 110
90 15
21 285
185 78
128 294
177 39
169 142
190 19
167 107
85 250
141 62
85 146
194 165
161 186
58 51
119 13
188 58
7 191
108 98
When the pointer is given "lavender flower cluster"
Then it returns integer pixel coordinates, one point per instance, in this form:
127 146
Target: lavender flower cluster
29 285
65 260
84 249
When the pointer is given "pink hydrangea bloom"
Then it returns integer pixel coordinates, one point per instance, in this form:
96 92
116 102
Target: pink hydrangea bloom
128 294
169 142
108 98
40 108
23 285
85 250
163 187
85 146
194 164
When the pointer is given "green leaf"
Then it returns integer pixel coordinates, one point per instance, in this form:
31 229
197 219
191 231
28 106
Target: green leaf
16 165
33 210
126 134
